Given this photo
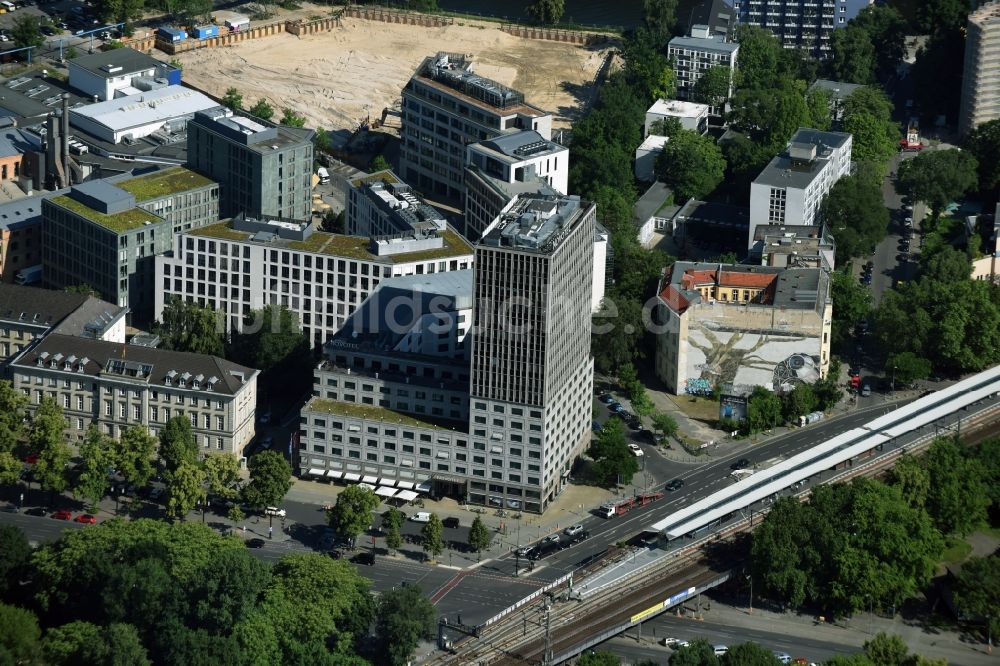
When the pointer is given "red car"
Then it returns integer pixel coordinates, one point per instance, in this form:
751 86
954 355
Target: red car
62 515
86 518
31 459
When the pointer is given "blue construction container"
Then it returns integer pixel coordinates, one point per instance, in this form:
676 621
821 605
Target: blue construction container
206 31
173 35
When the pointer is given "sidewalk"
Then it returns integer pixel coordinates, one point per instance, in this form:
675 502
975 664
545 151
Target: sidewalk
933 642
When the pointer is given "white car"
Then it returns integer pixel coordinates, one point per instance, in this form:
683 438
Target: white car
673 643
720 650
783 657
636 451
573 529
421 517
551 537
908 221
524 551
274 511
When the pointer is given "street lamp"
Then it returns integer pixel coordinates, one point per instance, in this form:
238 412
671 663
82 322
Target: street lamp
750 609
892 386
114 491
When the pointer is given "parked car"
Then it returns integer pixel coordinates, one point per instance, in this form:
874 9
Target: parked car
156 493
783 657
614 405
450 522
673 643
525 551
742 463
86 518
274 511
573 529
421 517
720 650
36 511
676 484
63 515
636 450
551 538
31 459
577 538
267 442
596 427
545 549
255 543
866 390
606 398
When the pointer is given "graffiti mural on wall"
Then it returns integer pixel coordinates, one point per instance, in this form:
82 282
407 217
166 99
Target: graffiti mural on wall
739 357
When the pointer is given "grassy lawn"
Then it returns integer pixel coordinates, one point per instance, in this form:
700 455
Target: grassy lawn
956 550
697 407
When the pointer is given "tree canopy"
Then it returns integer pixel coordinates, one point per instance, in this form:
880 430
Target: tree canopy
848 546
613 461
270 479
938 177
546 11
187 595
856 216
405 617
187 326
269 337
984 144
691 164
353 512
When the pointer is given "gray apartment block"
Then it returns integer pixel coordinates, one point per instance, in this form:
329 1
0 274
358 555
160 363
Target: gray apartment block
800 24
106 234
532 372
380 204
262 170
445 107
980 101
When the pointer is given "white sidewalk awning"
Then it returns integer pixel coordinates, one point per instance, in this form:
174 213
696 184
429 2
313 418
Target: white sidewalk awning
351 476
406 495
367 485
388 483
333 474
424 487
316 471
407 485
367 478
385 491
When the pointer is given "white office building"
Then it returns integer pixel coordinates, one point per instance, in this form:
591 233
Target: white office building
140 114
241 265
692 116
791 188
696 53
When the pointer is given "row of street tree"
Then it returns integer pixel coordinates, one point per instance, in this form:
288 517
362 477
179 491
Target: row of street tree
354 515
148 592
872 543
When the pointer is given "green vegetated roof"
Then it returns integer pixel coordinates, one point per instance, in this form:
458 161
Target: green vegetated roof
370 412
350 247
454 246
386 176
220 230
334 244
132 218
163 183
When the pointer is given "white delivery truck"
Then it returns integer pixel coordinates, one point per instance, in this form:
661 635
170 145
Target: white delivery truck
324 175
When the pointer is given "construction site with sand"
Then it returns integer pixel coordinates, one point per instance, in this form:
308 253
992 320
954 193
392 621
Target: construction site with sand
340 79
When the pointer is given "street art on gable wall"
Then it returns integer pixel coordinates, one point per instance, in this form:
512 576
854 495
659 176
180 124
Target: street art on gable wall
740 358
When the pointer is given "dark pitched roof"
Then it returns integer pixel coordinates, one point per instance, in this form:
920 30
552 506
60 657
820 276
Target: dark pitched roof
129 60
160 361
42 307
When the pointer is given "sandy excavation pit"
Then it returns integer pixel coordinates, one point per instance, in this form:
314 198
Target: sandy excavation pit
336 79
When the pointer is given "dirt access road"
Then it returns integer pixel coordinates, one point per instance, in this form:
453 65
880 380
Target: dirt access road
336 79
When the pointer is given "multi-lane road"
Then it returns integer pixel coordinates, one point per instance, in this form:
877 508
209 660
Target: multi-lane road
478 593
